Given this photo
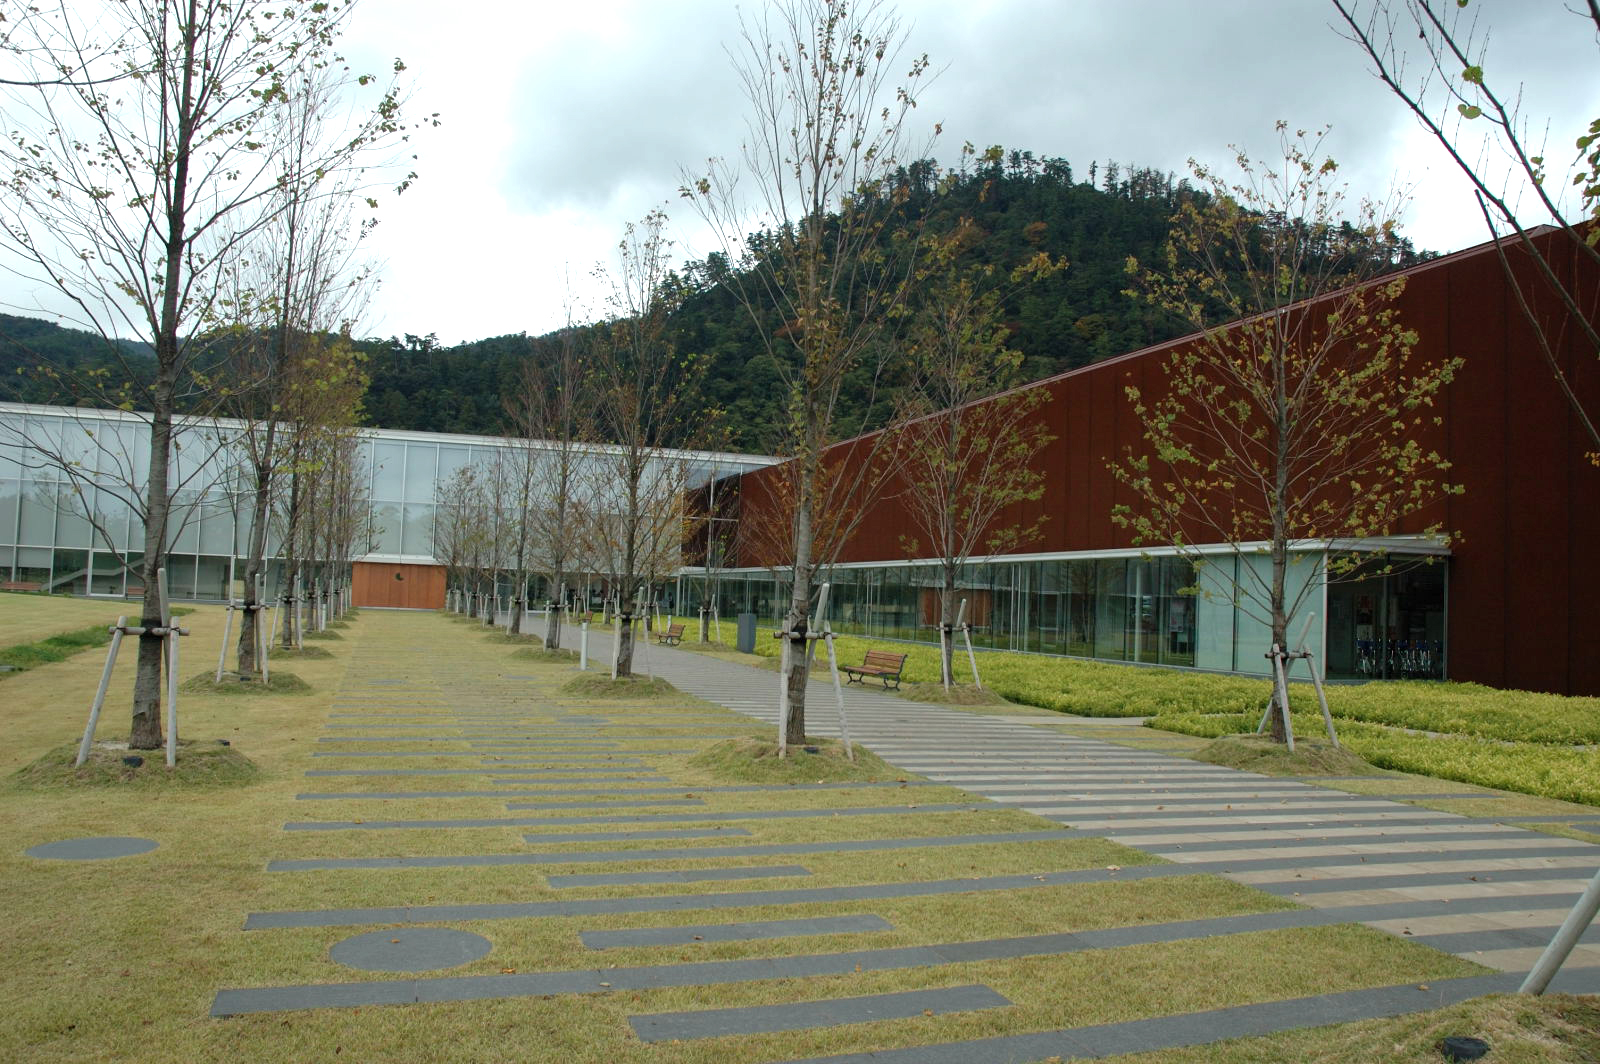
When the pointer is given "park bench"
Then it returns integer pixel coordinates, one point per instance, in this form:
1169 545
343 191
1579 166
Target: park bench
20 585
879 663
672 636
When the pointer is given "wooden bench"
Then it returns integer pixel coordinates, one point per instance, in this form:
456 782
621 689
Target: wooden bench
879 663
20 585
672 636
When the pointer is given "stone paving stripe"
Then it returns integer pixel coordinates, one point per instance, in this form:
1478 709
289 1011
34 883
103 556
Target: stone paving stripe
688 875
1479 940
482 860
1204 1028
869 892
483 822
679 853
740 932
1340 884
712 973
1557 819
558 788
96 848
574 775
506 737
400 914
1305 839
762 1019
456 753
410 949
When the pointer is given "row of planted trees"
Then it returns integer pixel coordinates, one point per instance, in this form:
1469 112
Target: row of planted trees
185 174
592 491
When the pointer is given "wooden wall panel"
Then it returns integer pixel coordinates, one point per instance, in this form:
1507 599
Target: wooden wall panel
389 585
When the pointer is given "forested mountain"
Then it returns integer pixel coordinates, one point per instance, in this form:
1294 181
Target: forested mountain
29 343
1020 204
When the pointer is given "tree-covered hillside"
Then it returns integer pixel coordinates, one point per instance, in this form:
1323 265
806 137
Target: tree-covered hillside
1020 205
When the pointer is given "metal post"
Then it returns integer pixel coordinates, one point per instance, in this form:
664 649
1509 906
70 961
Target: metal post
172 694
1283 695
1316 682
100 693
227 628
616 645
833 668
1555 954
583 647
966 634
172 668
783 696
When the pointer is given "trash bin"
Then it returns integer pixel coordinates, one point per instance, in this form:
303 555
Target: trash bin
747 633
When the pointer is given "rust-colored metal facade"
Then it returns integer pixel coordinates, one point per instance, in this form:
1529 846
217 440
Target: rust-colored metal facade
1526 559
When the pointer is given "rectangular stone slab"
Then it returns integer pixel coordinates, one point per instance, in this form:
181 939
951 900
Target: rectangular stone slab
760 1019
740 932
688 875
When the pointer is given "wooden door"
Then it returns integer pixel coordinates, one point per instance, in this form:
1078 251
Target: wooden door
390 585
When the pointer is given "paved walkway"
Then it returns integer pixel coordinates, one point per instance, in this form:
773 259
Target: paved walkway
1477 887
1486 890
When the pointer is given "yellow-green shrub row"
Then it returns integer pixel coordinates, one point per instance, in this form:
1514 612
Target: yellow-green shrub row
1097 689
1565 773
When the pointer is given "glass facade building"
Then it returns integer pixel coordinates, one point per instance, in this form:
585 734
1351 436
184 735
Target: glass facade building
1385 619
65 518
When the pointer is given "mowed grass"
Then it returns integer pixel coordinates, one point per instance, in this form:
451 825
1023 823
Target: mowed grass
119 960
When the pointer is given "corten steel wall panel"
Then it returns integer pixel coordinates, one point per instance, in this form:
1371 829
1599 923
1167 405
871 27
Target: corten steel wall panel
1529 522
1475 329
1583 494
1539 582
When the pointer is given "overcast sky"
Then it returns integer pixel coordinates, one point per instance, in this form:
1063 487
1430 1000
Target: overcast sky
562 122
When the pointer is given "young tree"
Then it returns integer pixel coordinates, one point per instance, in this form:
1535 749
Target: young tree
645 402
1459 98
967 453
822 279
1299 420
551 414
129 196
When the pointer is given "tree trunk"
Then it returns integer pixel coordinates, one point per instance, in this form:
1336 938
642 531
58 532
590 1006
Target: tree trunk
625 646
1280 633
145 733
255 564
947 620
799 608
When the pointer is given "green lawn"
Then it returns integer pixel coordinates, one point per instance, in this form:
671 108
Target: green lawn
119 960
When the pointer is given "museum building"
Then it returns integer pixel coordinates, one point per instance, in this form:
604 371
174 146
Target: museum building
1502 604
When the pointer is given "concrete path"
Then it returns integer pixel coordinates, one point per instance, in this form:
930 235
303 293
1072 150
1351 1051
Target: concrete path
1500 891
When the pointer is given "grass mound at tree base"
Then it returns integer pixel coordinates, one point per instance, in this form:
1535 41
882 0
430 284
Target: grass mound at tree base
301 652
521 639
749 759
541 653
326 633
201 763
601 685
1259 753
279 683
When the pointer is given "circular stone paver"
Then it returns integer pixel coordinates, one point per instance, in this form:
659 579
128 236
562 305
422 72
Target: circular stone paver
98 848
411 949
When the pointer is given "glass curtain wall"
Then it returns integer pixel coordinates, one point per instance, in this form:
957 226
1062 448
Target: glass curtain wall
1388 623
